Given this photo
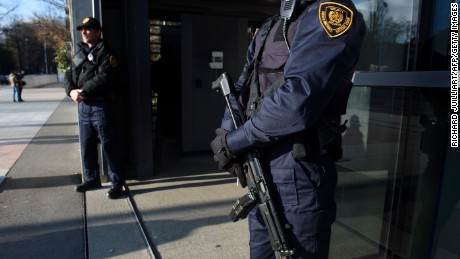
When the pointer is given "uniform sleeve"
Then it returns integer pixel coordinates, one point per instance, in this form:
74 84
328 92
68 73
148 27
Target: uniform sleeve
313 72
69 85
105 77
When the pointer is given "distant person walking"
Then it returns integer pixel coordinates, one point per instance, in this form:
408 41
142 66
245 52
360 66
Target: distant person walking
21 84
14 80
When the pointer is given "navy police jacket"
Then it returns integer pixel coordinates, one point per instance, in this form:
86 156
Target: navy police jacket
325 41
95 72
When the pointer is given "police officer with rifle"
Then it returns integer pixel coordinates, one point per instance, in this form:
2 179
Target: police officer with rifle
283 145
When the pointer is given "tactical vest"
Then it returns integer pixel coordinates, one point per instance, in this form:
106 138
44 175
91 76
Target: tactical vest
270 55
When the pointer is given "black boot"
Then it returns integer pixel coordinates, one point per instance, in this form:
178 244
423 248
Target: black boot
86 186
115 192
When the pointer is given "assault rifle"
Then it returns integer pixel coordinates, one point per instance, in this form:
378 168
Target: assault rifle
260 191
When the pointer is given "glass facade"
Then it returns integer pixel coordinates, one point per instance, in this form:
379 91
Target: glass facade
391 173
395 195
405 35
391 30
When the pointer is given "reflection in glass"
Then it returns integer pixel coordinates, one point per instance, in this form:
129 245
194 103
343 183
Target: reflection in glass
391 26
390 175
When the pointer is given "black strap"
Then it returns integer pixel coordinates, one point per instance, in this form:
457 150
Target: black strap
266 27
277 84
79 59
255 85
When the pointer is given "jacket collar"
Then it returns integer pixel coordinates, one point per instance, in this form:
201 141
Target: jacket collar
99 46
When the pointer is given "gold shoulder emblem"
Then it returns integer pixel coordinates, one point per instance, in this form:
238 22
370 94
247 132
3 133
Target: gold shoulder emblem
113 61
335 18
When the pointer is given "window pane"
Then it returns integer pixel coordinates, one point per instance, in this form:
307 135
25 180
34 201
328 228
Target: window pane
391 172
370 144
391 25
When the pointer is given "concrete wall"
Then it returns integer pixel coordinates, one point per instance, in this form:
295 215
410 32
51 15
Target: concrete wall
78 11
40 80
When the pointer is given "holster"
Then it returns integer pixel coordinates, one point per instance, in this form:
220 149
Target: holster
324 138
329 132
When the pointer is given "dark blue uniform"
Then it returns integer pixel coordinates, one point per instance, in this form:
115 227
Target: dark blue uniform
94 71
325 40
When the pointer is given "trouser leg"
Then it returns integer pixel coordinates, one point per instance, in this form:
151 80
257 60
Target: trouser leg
259 241
310 235
20 93
304 192
15 93
88 142
102 121
111 153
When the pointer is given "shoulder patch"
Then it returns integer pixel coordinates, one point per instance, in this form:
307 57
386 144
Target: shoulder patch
113 61
335 18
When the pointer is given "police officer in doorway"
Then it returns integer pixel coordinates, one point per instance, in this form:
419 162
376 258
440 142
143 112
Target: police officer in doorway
90 82
294 87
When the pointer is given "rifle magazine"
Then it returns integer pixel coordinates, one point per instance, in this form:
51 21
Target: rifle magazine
243 206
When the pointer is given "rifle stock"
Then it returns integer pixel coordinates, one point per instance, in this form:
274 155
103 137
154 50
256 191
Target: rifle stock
259 190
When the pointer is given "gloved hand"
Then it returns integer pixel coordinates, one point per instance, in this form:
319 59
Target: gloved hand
225 159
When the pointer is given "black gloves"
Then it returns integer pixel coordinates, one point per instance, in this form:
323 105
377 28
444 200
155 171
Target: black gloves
226 159
219 146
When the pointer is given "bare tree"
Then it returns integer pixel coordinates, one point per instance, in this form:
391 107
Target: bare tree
15 36
60 4
52 30
34 43
6 10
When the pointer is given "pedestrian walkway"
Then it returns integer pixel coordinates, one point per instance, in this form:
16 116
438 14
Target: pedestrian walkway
20 122
184 208
41 217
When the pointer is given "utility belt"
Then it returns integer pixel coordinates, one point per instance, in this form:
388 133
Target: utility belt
325 138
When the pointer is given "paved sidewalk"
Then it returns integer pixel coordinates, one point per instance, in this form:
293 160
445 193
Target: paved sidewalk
41 216
184 207
20 122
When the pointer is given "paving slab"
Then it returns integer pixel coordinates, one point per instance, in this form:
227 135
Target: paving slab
113 231
185 209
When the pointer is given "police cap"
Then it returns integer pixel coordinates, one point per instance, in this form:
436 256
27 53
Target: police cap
89 23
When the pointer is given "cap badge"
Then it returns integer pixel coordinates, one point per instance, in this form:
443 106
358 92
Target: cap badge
335 18
86 20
